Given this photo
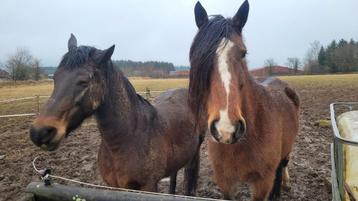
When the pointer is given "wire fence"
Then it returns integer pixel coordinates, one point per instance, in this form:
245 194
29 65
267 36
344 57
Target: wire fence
147 94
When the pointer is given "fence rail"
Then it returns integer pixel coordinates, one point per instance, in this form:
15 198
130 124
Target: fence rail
56 192
147 93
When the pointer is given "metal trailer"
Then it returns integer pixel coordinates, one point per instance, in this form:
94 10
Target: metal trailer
339 188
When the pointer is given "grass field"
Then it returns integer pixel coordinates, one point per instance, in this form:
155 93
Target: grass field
345 80
45 88
24 89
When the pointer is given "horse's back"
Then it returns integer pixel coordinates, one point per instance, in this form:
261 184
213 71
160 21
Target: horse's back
173 100
172 107
172 96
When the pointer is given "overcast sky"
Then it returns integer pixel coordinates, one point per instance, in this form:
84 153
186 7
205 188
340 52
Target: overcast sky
163 29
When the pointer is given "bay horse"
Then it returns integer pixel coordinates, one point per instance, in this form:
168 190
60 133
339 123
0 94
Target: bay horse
253 126
141 143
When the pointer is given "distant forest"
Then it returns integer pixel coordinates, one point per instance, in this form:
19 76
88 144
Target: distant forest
341 57
153 69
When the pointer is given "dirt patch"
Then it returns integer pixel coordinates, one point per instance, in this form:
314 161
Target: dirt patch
76 158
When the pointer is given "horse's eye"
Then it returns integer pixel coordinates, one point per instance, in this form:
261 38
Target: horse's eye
82 83
243 54
241 85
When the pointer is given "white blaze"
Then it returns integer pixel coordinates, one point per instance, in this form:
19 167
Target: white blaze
224 124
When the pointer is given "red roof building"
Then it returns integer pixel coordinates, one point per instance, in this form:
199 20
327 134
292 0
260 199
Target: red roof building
275 70
179 73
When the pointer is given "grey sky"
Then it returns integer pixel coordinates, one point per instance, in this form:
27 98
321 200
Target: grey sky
164 29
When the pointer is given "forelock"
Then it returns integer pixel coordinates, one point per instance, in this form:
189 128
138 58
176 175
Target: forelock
76 57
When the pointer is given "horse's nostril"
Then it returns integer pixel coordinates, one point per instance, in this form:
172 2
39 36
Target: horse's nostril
240 129
35 137
47 134
213 130
42 135
50 130
213 127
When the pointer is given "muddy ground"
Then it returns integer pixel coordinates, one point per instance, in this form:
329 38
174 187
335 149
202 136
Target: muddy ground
309 167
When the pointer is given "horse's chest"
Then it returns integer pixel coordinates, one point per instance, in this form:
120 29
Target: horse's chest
131 163
237 163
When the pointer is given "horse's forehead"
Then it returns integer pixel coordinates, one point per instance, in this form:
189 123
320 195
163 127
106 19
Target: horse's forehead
222 65
222 54
224 47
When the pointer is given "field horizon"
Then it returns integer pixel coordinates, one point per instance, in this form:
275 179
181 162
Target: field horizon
10 90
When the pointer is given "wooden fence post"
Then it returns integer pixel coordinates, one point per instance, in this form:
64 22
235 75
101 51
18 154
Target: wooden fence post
38 104
147 93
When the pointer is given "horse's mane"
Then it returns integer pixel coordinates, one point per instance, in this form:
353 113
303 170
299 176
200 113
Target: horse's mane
143 106
132 94
77 57
202 53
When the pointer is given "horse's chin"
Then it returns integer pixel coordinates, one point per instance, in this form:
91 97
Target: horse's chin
54 143
221 141
50 146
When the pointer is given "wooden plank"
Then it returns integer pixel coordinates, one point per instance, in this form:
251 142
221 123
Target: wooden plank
18 115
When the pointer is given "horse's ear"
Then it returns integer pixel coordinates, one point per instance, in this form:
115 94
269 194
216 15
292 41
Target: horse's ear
201 17
240 18
103 56
72 43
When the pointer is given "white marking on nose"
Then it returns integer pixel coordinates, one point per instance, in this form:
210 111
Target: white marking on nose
224 124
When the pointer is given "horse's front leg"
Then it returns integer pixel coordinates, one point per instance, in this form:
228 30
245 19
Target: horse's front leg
261 188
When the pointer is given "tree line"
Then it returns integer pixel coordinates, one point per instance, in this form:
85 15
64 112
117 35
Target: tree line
155 69
337 57
23 66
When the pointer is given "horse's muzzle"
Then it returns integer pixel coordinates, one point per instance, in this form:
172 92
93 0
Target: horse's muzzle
43 137
228 138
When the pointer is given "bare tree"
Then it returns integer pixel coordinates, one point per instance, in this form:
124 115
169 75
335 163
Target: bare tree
20 64
293 63
36 69
313 51
311 58
269 64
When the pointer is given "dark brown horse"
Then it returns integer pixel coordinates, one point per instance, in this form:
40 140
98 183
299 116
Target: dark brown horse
141 143
253 126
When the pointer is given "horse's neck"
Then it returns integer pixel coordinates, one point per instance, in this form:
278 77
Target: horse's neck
122 113
253 101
